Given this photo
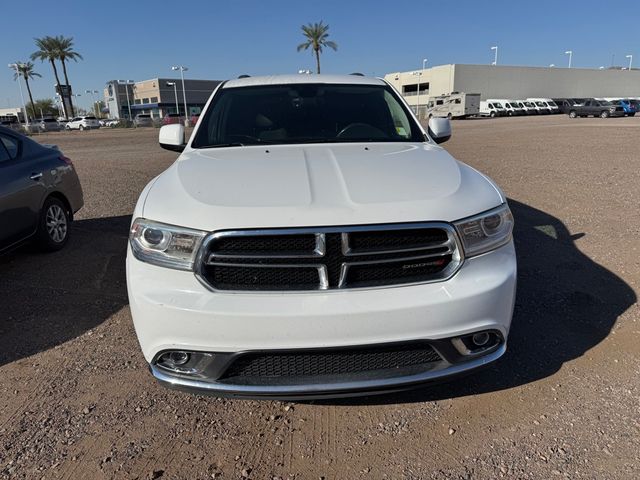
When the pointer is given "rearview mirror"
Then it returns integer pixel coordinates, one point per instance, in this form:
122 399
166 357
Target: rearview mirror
172 137
439 129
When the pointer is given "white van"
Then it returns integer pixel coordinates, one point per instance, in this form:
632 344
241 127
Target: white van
491 109
510 106
528 107
545 103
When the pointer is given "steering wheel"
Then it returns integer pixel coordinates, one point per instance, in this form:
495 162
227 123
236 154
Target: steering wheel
361 130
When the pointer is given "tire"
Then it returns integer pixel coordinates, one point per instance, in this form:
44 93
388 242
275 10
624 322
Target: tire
572 114
492 114
604 114
53 225
81 128
632 114
67 128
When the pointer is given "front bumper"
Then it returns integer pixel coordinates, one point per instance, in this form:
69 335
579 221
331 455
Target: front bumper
173 311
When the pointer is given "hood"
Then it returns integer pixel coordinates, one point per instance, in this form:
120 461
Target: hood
317 185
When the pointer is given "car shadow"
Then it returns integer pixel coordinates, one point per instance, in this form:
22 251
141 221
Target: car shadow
566 304
48 299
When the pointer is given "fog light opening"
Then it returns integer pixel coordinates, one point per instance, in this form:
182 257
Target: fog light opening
179 358
477 343
480 339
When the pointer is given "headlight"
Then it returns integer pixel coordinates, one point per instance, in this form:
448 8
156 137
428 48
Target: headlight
486 231
164 245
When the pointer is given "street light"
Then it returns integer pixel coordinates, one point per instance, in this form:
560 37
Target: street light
424 62
184 94
418 74
570 53
552 65
630 57
16 67
126 84
175 93
495 57
76 95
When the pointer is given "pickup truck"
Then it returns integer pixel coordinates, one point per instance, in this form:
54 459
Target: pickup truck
313 239
596 108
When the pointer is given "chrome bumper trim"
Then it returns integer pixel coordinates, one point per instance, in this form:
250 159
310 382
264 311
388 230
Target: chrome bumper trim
332 390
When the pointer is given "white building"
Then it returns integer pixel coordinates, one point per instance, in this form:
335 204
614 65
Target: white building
514 82
17 111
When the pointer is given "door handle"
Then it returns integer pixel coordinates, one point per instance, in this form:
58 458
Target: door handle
36 176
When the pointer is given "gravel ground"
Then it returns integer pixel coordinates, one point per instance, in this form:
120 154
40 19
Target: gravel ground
77 401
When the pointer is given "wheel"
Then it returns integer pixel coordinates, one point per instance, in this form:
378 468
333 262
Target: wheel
492 114
449 115
572 114
632 114
53 225
67 127
604 114
81 128
510 113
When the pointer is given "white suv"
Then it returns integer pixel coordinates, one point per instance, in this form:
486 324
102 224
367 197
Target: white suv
312 239
83 123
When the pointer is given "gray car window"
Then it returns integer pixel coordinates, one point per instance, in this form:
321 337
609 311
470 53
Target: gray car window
11 147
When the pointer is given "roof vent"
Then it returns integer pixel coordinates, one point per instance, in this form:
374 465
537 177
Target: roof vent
244 76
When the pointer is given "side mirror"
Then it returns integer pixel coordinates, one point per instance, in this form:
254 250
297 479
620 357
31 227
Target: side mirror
172 137
439 129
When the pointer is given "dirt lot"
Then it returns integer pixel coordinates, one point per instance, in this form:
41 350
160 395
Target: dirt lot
77 401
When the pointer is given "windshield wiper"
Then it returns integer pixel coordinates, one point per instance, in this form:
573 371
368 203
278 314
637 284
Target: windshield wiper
222 145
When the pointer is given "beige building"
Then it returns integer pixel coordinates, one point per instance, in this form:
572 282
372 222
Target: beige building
157 96
514 82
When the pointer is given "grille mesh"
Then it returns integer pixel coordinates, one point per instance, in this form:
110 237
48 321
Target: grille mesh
274 260
330 362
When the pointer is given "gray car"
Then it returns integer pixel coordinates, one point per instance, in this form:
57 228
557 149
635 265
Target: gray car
39 193
143 120
48 125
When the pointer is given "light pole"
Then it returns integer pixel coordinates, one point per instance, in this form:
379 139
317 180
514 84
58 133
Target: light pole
552 65
570 53
630 57
424 63
495 56
16 67
76 95
93 99
126 84
175 93
418 74
183 69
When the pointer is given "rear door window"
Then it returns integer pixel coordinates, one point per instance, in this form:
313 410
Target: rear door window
10 146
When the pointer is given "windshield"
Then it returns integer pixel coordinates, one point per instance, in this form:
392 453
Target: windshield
89 118
540 104
551 103
305 113
497 105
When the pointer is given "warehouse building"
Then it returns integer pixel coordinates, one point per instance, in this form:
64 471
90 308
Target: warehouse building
492 81
156 97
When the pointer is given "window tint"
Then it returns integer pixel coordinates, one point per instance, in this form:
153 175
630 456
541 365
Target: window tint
10 147
305 113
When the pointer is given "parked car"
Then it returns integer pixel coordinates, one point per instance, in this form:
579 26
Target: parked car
143 120
627 105
87 122
527 107
313 239
39 193
109 122
48 125
171 118
511 108
596 108
491 109
545 103
565 104
11 122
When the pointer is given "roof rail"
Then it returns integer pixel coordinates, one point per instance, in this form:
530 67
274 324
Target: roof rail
357 74
244 76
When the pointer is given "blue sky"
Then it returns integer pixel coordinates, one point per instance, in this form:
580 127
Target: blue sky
140 39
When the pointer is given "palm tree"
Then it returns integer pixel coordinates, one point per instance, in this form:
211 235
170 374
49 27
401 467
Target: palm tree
48 52
25 70
64 46
316 34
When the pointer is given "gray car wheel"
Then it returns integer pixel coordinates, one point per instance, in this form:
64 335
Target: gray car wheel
53 229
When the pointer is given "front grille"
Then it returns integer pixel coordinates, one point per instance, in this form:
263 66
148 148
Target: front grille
392 360
305 259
